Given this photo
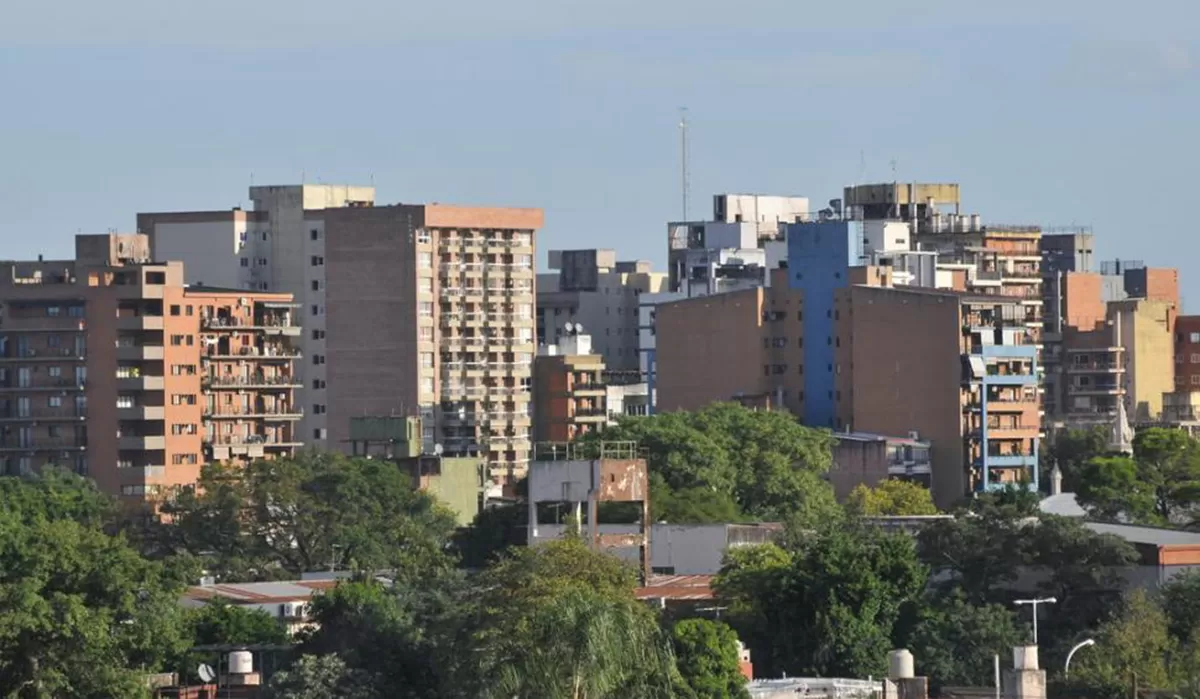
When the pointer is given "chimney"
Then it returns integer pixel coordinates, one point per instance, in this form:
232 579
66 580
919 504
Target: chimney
1056 481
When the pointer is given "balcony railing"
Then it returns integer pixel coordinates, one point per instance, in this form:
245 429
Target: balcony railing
265 323
278 352
48 414
238 412
252 440
249 381
42 444
46 354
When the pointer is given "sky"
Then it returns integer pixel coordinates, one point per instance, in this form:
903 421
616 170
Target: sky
1060 112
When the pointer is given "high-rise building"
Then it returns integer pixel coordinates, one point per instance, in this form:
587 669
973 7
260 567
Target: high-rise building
1145 332
590 288
431 313
102 369
569 394
279 246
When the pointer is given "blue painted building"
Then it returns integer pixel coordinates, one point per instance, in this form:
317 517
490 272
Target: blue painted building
820 255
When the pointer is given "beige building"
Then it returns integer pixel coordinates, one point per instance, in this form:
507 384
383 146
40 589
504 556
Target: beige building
279 246
590 288
1144 328
431 313
101 368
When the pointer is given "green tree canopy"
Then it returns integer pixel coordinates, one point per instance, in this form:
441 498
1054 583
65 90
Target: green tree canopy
222 623
954 642
1136 641
282 517
891 498
83 612
321 677
1070 450
767 460
707 655
1160 484
830 607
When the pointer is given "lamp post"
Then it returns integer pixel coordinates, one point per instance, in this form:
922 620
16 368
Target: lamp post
1034 603
1081 644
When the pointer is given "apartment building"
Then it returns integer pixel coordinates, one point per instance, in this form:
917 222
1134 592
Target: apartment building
248 352
590 288
1187 353
431 313
569 392
279 246
101 370
1145 332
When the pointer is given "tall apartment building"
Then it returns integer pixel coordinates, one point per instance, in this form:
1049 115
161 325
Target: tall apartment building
591 288
1187 353
431 313
279 246
1145 331
101 369
569 393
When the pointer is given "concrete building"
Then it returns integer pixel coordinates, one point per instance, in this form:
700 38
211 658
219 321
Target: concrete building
1145 330
1187 353
593 290
679 549
459 482
279 246
103 369
869 459
431 313
569 394
1124 279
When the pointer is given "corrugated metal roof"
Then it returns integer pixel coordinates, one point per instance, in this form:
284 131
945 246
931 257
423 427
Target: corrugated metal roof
260 592
1146 535
677 587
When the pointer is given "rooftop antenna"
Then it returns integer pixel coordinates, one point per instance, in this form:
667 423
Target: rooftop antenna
683 159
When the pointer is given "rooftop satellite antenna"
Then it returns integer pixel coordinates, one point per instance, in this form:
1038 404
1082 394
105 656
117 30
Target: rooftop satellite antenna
206 672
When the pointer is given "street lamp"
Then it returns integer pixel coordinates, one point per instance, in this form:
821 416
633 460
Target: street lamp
1035 603
1081 644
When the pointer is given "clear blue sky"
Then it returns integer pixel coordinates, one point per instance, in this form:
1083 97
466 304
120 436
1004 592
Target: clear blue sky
1053 112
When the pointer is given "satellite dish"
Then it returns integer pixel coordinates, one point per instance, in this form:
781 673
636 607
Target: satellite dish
437 449
206 672
569 327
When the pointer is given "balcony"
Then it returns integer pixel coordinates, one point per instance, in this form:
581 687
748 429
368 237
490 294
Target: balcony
63 324
149 352
43 444
128 474
142 443
140 383
142 412
63 414
46 354
238 413
588 389
1094 368
258 381
1008 461
139 322
278 353
270 325
60 385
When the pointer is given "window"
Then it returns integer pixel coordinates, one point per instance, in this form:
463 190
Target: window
424 260
779 342
183 429
318 409
426 309
245 262
318 359
191 340
315 234
766 369
53 340
427 360
423 236
55 372
176 340
183 459
425 285
316 285
183 399
318 384
318 434
54 401
317 260
1196 380
800 315
318 334
778 369
75 311
316 310
1196 359
175 309
425 333
427 384
53 311
1194 337
264 236
183 369
125 401
190 310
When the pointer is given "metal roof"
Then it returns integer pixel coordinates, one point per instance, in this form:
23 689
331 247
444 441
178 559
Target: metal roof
1146 535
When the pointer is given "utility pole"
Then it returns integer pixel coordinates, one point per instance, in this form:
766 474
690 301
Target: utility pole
1034 603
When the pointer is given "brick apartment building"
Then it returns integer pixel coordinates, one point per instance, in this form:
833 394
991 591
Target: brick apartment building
101 368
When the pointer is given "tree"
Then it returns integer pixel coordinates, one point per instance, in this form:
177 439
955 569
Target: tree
1160 485
56 495
1181 600
320 677
834 609
1137 641
891 498
582 645
691 505
708 658
494 530
282 517
83 612
766 459
1070 450
954 642
222 623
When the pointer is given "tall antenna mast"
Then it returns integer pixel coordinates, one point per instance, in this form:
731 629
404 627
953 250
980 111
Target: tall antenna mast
683 161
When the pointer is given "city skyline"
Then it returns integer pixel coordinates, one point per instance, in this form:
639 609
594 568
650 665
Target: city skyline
1071 114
